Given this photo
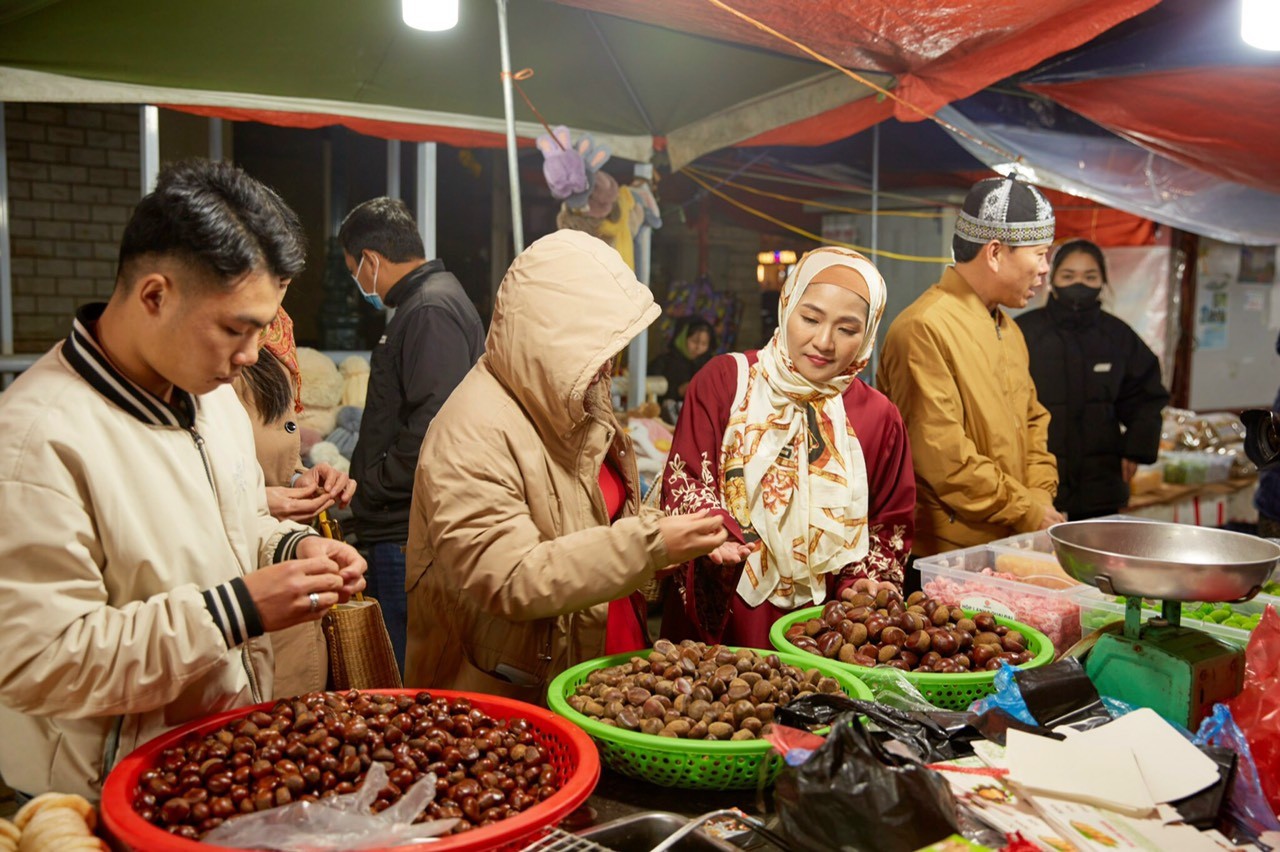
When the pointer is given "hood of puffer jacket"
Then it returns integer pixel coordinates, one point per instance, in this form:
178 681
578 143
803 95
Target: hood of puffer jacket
567 304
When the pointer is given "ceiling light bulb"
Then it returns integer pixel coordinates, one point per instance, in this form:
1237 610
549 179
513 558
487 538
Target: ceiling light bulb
1260 24
430 15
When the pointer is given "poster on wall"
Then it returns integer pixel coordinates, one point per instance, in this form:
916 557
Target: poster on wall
1257 264
1212 302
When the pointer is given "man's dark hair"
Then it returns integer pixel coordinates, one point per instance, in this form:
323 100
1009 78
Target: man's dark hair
218 218
966 251
963 250
384 225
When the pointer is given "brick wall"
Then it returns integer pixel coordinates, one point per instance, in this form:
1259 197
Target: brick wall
731 264
73 181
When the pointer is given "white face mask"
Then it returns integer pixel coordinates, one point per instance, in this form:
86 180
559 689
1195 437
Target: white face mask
372 298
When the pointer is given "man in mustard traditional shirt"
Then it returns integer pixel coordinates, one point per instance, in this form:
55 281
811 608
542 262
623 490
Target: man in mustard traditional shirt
956 366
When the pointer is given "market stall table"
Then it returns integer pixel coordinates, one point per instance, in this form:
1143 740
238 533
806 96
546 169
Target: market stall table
1211 504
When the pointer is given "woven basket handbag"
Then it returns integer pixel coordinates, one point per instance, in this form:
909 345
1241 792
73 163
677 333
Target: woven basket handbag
360 653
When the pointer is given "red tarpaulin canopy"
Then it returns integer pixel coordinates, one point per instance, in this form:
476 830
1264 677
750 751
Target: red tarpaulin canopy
1220 120
938 50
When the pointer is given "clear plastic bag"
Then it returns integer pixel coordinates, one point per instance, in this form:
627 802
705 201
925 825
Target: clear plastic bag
1246 802
891 687
339 823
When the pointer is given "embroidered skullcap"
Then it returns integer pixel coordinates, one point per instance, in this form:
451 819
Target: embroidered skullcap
1008 210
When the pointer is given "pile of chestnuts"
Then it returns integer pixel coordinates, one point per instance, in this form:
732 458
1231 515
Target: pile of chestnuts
871 625
320 745
696 691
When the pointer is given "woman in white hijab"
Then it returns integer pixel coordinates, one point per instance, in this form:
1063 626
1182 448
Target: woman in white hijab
808 466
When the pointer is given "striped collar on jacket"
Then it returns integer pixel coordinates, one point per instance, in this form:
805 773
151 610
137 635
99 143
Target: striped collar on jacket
87 357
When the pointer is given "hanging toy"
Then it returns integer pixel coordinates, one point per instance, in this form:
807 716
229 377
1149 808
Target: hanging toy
562 164
601 191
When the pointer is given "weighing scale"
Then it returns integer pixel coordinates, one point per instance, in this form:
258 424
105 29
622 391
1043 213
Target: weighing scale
1180 672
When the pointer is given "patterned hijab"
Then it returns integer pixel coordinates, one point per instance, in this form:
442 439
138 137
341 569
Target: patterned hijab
277 338
792 470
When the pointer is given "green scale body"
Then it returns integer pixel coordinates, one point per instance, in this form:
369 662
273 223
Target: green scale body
1176 671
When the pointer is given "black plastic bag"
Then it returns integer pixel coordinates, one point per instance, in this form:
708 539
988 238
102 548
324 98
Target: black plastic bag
852 794
1062 694
816 709
1203 809
934 736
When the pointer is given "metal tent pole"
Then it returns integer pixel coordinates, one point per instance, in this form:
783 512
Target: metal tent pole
425 197
6 272
149 146
870 372
393 168
215 139
513 171
638 351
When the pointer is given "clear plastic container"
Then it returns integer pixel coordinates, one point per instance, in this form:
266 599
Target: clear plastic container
979 578
1097 610
1035 542
1038 543
1195 468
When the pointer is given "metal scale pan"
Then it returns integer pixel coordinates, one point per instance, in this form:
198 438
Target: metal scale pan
1180 672
1173 562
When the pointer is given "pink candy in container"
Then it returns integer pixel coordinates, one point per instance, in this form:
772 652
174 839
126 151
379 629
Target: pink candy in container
969 579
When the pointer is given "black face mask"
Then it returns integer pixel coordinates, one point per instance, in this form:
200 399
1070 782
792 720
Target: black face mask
1077 297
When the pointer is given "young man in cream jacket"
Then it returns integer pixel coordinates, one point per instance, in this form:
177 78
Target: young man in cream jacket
139 567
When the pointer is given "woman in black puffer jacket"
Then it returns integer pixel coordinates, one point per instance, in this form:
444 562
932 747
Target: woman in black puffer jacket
1100 382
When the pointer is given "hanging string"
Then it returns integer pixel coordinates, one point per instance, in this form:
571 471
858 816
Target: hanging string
838 208
910 258
775 175
525 74
881 90
781 176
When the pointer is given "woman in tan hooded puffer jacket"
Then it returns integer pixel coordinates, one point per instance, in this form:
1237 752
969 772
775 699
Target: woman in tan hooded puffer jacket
513 555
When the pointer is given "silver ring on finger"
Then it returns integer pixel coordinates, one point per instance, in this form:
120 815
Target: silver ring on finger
314 597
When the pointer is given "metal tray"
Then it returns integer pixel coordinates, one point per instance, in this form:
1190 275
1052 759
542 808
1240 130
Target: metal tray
1174 562
642 832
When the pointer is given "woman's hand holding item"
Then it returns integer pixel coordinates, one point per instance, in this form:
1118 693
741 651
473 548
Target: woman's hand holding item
298 503
331 481
687 537
732 553
315 490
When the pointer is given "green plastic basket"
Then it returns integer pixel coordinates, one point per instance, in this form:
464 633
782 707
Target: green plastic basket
691 764
948 691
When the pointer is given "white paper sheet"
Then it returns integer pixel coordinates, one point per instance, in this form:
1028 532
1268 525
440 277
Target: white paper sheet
1170 765
1079 771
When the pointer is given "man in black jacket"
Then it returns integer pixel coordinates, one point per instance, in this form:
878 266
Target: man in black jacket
430 343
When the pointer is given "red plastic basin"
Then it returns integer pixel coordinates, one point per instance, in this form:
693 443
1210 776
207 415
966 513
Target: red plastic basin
568 748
